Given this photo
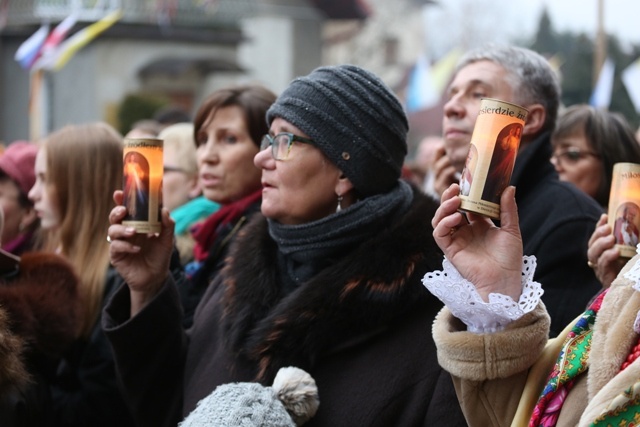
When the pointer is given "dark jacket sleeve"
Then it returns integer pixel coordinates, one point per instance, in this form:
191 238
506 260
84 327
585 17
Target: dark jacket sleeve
150 351
556 222
85 390
568 282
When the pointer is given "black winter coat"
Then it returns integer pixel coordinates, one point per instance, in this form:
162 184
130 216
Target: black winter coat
85 390
191 291
361 328
556 221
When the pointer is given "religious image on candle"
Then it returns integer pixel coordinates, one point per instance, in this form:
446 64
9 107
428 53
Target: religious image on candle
624 207
142 173
492 155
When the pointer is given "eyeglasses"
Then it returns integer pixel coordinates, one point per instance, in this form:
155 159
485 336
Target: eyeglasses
572 155
281 144
173 169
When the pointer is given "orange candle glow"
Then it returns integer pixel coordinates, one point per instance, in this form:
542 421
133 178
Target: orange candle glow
143 169
492 154
624 207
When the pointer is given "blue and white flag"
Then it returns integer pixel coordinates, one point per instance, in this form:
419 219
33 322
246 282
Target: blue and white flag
58 56
601 95
28 51
427 82
631 79
421 91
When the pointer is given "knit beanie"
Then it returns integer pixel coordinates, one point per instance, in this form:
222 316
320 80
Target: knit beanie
354 119
290 402
18 162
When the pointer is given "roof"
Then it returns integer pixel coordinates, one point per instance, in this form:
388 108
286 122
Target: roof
344 9
173 67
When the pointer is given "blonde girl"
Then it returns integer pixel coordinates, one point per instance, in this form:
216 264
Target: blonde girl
77 169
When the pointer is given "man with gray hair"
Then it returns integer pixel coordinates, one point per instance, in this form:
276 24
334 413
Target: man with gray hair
556 219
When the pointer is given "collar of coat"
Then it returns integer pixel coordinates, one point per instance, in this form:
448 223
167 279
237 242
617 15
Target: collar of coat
532 164
38 314
354 299
613 337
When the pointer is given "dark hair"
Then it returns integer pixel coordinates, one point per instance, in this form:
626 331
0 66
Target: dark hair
254 100
171 115
608 134
149 126
23 199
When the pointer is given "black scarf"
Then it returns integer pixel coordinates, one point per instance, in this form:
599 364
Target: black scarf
306 249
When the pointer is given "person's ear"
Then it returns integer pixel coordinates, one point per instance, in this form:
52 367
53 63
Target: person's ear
193 187
344 188
343 185
535 119
29 217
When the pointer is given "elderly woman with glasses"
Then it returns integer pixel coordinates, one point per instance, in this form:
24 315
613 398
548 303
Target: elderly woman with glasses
326 278
587 142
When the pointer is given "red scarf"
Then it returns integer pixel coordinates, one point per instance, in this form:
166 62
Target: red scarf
206 233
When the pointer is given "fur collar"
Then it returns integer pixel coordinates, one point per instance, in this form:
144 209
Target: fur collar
357 297
39 311
613 337
13 374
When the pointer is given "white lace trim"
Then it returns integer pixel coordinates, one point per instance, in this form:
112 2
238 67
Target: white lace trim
462 298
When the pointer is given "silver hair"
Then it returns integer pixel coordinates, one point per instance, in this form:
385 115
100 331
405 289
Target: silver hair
531 77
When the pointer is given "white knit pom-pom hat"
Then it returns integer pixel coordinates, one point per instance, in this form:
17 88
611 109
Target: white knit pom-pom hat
290 402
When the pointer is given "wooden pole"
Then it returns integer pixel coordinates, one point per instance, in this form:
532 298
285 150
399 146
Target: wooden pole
35 84
38 105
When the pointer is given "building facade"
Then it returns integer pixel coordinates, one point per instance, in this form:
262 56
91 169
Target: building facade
180 50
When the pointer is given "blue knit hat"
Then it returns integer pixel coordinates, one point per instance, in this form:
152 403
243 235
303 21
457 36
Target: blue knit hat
354 119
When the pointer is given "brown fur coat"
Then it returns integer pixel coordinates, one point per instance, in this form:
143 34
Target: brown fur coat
38 316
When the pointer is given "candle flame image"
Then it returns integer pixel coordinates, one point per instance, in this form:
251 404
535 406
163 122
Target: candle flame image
492 155
142 177
136 184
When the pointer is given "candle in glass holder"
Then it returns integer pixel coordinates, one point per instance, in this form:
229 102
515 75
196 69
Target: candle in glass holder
624 207
492 155
143 169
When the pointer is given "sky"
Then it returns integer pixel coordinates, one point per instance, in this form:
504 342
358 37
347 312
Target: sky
480 21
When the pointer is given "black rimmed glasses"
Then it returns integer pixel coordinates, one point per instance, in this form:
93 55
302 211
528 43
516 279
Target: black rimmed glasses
571 155
166 169
281 144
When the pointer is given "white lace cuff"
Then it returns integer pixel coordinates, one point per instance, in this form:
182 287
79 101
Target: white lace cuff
462 298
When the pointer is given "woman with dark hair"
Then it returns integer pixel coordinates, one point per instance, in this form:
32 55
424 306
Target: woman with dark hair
326 278
228 128
586 143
